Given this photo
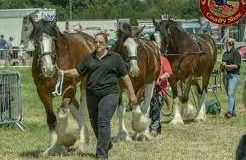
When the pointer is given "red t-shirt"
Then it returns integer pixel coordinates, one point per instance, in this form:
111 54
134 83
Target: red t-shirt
165 67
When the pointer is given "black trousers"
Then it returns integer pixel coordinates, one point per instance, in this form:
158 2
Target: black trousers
155 109
101 110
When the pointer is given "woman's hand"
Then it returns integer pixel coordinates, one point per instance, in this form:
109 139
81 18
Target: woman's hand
60 71
158 81
133 98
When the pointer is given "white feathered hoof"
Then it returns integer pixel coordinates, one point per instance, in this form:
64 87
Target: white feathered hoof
141 136
140 122
123 136
147 136
55 150
200 119
79 147
177 120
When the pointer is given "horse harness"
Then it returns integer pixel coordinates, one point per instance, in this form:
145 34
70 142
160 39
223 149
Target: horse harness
52 54
145 46
60 79
184 55
194 38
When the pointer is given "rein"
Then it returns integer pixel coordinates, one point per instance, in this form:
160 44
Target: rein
59 84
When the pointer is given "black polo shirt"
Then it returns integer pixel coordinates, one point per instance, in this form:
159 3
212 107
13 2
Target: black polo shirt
233 57
103 74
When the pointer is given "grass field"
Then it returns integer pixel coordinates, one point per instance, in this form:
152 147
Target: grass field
217 138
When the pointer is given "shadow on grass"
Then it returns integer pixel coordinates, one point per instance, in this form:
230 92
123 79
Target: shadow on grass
31 154
38 154
91 155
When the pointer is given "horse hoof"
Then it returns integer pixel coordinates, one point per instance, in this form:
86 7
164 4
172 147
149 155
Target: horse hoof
79 147
45 154
123 136
55 150
176 122
141 136
147 136
200 119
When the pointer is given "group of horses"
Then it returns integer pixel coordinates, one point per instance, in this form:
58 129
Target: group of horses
190 57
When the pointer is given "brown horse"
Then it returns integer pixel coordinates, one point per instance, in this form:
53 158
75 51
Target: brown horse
55 50
142 59
191 57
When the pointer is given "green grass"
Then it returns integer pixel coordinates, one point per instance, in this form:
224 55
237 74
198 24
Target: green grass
217 138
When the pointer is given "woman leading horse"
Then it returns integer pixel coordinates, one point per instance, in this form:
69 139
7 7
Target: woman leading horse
55 50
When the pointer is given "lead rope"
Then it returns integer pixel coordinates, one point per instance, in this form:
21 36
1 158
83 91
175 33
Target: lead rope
59 84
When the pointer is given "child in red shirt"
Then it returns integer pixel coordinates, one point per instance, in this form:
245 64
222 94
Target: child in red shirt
158 96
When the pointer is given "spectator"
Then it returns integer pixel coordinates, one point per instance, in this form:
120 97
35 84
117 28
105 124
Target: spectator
231 62
22 56
10 48
3 46
75 28
158 96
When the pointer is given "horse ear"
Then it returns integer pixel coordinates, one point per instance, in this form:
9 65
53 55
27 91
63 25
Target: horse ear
140 30
34 23
156 23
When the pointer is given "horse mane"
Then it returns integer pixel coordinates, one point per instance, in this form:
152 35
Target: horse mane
175 25
43 26
127 30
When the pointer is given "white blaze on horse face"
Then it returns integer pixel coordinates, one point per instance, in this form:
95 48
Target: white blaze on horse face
131 47
157 36
46 51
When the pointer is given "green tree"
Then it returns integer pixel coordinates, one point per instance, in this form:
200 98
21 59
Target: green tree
95 9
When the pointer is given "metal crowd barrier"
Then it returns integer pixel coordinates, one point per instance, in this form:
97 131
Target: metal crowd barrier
10 98
215 83
220 45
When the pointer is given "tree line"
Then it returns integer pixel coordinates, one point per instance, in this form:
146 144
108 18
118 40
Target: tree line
111 9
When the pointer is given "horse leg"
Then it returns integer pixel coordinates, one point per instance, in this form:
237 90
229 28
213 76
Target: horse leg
61 127
80 114
185 96
201 94
148 93
122 134
56 147
177 117
51 120
140 115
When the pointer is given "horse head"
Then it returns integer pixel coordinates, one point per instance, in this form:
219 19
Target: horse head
163 33
130 41
44 35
